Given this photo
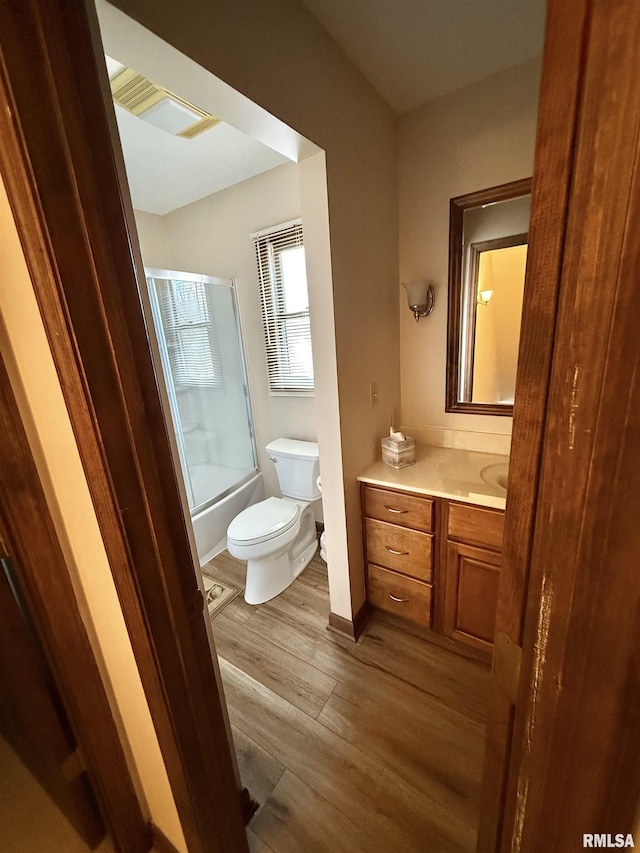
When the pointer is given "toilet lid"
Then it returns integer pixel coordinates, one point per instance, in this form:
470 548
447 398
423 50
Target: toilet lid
263 520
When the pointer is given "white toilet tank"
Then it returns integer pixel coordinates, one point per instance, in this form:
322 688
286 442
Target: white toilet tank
297 467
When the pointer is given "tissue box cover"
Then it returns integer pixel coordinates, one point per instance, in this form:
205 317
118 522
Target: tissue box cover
399 454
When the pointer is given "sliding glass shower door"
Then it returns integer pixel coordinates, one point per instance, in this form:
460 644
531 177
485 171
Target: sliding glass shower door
198 332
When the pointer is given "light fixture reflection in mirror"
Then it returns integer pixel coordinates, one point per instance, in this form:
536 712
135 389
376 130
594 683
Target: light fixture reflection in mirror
420 296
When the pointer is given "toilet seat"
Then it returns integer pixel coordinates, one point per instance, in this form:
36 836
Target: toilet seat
263 521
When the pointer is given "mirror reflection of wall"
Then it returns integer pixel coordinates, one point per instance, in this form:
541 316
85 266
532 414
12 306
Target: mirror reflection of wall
498 312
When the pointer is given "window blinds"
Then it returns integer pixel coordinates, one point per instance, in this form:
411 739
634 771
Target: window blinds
190 333
285 308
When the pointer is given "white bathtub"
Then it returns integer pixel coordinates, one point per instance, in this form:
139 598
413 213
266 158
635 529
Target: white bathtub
210 525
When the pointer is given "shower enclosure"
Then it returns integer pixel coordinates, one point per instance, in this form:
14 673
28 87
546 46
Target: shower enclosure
198 331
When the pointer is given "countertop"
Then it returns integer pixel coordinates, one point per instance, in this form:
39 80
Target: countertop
444 472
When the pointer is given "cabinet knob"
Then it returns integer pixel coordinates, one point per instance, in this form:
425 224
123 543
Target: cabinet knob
397 553
399 600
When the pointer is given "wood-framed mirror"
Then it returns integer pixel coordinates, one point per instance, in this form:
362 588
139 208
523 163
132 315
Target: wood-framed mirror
488 236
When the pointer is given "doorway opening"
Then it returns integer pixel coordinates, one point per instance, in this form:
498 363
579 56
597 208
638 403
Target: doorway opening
288 682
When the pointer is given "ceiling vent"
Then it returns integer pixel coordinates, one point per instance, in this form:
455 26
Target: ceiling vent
158 106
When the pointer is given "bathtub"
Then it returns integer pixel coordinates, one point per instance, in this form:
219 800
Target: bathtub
210 525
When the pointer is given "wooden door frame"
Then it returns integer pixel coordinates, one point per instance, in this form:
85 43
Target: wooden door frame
61 177
575 765
537 755
557 120
29 538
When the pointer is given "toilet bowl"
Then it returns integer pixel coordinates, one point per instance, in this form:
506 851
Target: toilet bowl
277 537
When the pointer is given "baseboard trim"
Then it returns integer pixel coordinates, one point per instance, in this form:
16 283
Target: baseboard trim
161 843
347 627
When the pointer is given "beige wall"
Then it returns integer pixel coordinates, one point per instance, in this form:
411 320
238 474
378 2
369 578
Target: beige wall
498 324
28 358
154 242
486 383
478 137
508 275
276 54
212 236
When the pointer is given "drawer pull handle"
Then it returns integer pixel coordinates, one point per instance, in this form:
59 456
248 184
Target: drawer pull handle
399 600
397 553
393 509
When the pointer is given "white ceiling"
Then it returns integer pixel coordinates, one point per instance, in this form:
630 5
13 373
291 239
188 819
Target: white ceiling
413 51
166 172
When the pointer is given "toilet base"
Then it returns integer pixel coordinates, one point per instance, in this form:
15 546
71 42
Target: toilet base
269 576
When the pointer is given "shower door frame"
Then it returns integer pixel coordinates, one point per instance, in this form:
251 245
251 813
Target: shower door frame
164 369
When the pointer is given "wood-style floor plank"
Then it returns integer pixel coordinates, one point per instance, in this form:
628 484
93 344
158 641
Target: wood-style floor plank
423 745
358 747
287 675
459 682
297 819
260 772
256 844
362 788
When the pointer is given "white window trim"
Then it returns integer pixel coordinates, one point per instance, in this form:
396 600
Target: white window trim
276 323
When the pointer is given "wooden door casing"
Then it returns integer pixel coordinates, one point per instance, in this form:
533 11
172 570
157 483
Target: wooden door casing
575 766
561 80
565 761
76 227
43 588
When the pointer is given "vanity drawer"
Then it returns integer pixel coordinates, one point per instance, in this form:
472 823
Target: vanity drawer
397 594
476 525
406 551
396 508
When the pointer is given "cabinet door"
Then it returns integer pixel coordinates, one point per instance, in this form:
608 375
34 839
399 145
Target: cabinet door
471 594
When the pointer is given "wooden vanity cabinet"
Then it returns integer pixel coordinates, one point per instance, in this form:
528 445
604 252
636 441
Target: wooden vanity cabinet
399 552
433 561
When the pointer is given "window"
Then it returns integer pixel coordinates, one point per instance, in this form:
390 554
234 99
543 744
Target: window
285 308
190 333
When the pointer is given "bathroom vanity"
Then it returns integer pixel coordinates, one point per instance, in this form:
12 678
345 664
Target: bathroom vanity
433 540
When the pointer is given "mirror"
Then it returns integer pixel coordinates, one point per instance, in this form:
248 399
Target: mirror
488 235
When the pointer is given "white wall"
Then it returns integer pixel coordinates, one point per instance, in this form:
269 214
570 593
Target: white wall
276 54
478 137
213 236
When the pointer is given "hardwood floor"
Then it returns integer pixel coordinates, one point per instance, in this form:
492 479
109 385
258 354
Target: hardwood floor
369 746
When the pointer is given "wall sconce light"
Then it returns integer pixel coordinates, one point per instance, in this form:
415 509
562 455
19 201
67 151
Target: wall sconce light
421 297
484 297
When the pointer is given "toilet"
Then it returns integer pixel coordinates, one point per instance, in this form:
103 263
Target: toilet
277 537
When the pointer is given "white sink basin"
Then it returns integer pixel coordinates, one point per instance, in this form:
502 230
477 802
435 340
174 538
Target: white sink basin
496 475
